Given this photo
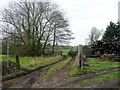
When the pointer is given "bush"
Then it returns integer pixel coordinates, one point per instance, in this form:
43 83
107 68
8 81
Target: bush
72 53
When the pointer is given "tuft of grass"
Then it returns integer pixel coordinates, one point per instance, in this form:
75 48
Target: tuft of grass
75 72
57 67
45 62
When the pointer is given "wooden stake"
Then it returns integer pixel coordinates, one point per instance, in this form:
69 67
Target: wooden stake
80 57
17 62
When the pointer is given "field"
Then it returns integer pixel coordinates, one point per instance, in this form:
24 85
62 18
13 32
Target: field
30 62
95 65
65 51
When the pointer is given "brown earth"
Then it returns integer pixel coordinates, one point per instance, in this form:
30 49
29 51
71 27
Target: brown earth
55 79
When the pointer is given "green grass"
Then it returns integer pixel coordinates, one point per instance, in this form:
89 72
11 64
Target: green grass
57 67
101 78
65 51
4 58
12 74
23 60
94 66
33 62
45 63
100 65
75 72
98 79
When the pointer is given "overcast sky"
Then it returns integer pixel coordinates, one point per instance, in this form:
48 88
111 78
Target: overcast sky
85 14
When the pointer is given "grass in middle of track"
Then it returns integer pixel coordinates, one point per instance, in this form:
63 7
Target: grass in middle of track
57 67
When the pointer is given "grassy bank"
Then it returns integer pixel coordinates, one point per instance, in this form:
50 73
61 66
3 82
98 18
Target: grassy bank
35 63
44 62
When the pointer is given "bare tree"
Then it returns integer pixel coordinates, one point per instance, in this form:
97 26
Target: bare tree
35 24
93 36
61 32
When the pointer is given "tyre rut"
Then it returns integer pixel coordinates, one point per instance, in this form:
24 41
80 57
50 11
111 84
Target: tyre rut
30 78
87 76
56 78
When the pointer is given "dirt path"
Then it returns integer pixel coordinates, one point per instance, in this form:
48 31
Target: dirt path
89 76
25 81
34 79
29 79
111 83
55 79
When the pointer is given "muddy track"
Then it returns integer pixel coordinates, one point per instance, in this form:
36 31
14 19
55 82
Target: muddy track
62 74
87 76
30 71
54 79
28 79
111 83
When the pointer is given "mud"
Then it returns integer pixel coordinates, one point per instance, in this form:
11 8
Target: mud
111 83
56 79
29 79
107 84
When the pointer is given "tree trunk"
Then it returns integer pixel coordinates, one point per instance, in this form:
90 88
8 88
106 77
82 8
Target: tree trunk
44 47
54 41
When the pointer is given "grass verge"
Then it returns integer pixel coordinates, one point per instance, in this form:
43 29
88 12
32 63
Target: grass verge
33 65
33 62
44 63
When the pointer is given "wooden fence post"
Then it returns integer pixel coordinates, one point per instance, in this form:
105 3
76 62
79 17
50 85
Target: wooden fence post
80 57
17 62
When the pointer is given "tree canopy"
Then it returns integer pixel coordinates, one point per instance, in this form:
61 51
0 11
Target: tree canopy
110 43
94 35
112 31
34 26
